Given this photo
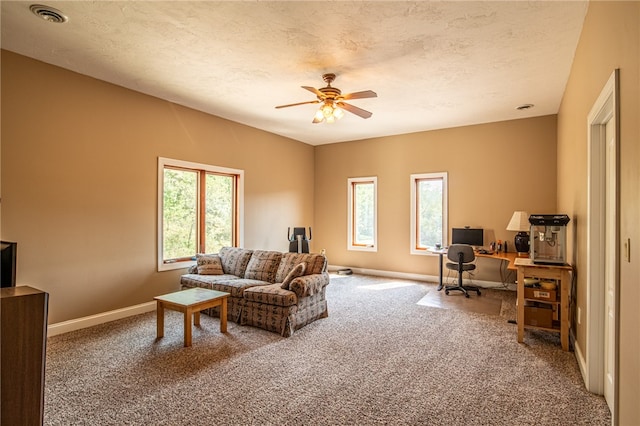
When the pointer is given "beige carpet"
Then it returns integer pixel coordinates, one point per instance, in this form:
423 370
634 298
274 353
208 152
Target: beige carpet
379 358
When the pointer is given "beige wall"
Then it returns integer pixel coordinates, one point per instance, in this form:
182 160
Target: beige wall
79 183
610 39
490 172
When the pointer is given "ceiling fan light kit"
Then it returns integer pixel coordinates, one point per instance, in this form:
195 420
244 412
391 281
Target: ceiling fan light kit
328 112
332 99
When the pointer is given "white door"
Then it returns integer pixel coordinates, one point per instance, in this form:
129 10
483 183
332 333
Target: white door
610 266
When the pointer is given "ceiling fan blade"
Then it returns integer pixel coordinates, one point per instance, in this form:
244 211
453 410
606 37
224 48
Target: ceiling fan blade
360 95
314 91
299 103
355 110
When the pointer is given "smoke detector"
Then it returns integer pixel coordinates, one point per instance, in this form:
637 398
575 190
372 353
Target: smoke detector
48 13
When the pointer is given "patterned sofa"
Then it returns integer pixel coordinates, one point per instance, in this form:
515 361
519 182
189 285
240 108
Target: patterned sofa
279 292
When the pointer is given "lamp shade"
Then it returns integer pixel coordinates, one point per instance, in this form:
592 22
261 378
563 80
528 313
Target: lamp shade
519 222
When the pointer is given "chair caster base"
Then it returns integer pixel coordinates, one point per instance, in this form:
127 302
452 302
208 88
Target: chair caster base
464 290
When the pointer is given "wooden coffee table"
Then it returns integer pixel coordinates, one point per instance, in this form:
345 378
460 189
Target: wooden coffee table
189 302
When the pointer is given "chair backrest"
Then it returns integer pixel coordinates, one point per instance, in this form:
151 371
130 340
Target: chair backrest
460 253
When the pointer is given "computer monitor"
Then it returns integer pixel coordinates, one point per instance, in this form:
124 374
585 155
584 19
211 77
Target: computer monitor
470 236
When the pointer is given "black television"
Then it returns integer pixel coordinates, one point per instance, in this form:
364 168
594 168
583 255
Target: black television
8 257
470 236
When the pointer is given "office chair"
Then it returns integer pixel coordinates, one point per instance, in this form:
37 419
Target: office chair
460 256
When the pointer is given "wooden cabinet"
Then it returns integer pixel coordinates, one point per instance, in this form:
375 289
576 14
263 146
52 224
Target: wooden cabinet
544 310
22 355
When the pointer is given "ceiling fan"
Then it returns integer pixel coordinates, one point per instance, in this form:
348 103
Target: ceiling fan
332 101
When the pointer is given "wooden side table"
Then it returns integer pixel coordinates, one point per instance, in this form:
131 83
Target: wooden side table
560 274
190 302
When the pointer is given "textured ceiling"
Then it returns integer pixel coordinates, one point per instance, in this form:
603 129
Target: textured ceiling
433 64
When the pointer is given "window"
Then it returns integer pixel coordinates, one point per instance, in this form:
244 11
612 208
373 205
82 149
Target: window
362 221
428 211
199 211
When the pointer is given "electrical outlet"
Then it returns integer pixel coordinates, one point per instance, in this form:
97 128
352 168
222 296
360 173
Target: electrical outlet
579 315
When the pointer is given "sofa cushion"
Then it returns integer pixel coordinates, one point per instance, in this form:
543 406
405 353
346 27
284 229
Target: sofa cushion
227 283
296 272
235 260
314 264
209 264
271 294
263 266
194 280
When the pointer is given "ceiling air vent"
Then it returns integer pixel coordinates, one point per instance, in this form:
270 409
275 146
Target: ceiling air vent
48 13
524 107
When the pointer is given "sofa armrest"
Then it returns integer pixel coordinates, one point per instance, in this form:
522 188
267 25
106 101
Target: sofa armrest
308 285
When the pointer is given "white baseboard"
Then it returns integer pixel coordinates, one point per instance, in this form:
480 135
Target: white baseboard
388 274
90 321
581 360
419 277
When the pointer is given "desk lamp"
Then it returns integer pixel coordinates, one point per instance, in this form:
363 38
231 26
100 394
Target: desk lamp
520 222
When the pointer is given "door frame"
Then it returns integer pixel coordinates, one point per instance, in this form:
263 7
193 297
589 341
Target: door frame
605 109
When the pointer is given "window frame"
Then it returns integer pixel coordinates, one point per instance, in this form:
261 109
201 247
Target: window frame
414 179
199 167
351 183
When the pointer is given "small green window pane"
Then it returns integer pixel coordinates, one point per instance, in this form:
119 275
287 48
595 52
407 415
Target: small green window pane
429 212
180 213
219 216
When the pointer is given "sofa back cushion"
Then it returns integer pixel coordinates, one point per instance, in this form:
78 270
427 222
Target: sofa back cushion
314 264
235 260
263 265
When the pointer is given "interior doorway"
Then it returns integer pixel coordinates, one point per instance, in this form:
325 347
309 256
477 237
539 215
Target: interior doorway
610 270
603 245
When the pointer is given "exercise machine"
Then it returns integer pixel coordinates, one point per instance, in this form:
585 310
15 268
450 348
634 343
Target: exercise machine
298 242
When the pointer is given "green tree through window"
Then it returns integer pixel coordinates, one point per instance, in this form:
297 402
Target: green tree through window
428 211
430 215
180 212
364 213
362 225
219 212
199 210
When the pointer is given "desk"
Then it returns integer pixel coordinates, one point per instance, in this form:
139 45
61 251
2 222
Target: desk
559 273
440 252
509 257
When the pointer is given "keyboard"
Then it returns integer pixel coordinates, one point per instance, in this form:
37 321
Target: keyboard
483 251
